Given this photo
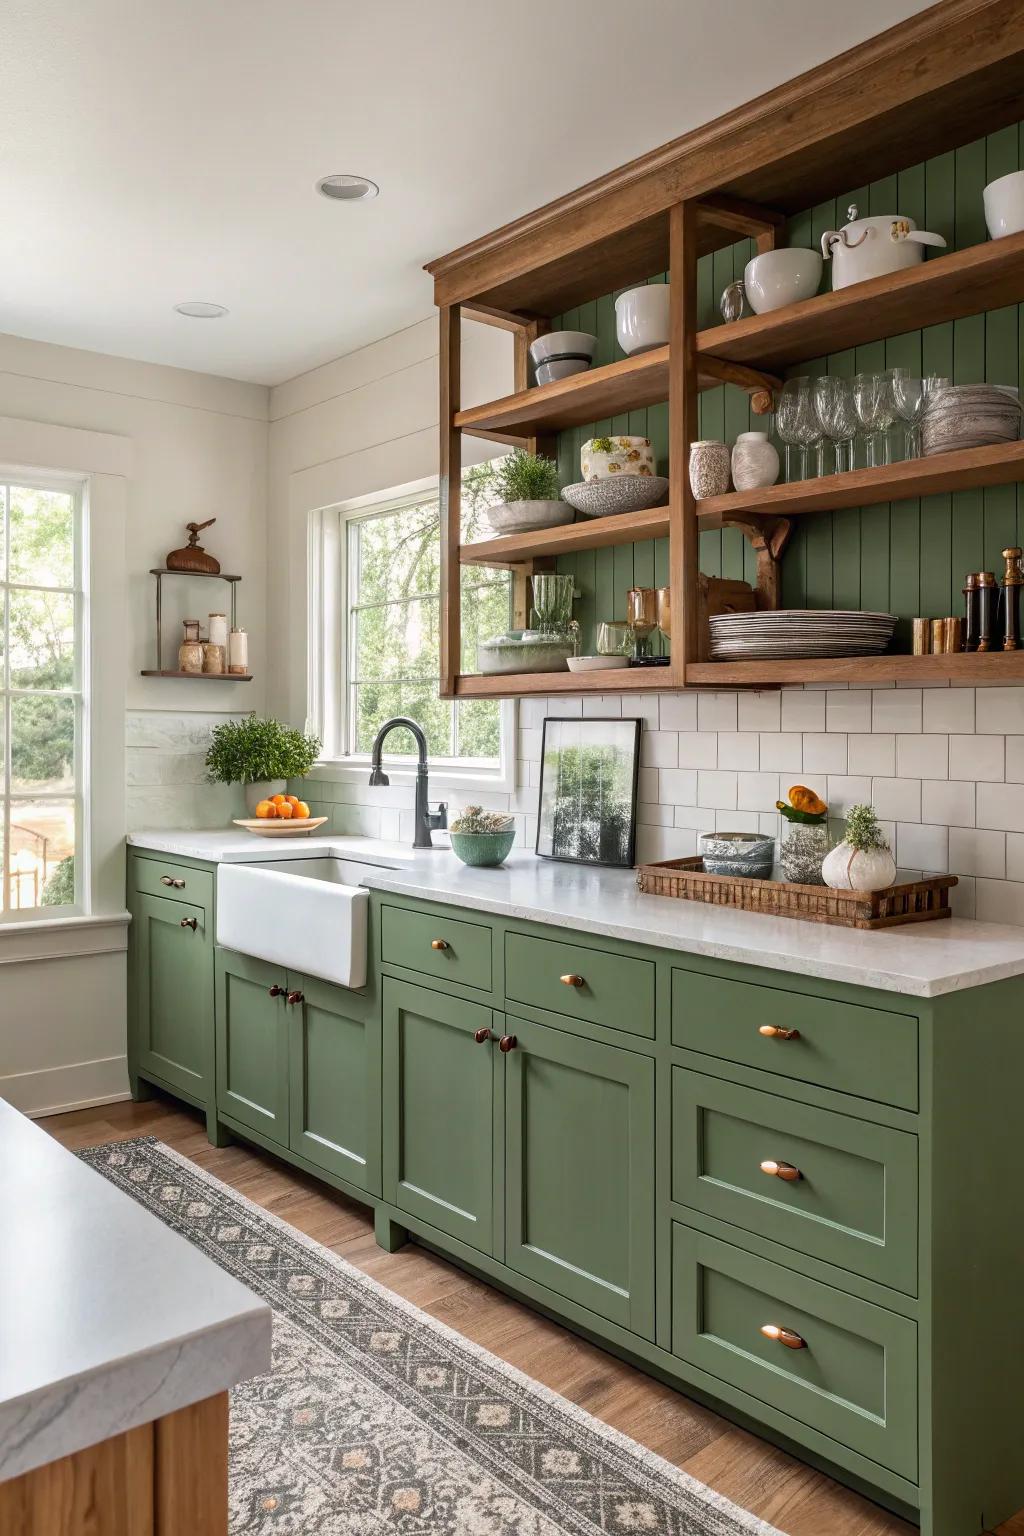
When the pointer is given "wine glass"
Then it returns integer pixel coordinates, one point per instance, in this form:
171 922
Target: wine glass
642 613
908 396
794 421
872 402
833 406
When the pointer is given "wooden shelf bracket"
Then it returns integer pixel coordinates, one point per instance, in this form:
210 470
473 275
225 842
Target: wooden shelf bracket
768 537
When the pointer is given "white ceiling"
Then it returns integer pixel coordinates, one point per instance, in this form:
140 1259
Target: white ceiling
154 151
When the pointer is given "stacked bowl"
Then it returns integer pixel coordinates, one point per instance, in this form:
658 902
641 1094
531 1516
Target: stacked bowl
970 416
560 354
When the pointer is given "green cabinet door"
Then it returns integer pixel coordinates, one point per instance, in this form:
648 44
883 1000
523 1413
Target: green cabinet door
334 1081
253 1021
439 1097
173 1007
579 1171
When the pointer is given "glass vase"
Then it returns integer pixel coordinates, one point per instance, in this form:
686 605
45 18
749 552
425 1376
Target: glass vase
803 851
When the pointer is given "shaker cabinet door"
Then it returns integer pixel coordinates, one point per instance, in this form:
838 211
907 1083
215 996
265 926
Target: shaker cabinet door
334 1079
173 1012
253 1020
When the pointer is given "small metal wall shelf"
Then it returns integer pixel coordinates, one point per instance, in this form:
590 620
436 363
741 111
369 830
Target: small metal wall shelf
206 677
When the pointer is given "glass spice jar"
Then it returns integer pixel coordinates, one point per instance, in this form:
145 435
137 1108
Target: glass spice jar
803 851
190 651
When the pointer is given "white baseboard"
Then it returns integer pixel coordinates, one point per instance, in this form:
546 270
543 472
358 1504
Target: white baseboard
56 1090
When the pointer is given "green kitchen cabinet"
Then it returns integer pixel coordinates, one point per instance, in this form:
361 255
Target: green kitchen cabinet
334 1080
579 1171
172 1006
254 1020
439 1086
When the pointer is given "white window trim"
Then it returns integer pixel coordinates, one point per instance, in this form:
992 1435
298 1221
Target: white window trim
327 637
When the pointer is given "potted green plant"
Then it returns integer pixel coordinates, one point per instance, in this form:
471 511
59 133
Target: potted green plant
261 755
863 861
526 485
482 838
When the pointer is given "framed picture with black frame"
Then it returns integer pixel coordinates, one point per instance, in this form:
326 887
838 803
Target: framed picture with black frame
588 782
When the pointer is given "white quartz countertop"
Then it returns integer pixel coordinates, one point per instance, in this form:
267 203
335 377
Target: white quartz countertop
108 1319
918 960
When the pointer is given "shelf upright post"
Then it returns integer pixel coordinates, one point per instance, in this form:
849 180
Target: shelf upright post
525 333
450 498
159 624
684 566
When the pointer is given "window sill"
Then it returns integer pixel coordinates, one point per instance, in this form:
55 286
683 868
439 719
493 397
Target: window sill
56 938
357 770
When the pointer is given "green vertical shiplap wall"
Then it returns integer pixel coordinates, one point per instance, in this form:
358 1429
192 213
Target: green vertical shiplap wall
905 557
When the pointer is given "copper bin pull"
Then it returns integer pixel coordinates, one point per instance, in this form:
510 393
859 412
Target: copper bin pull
781 1170
481 1035
439 944
507 1043
296 997
176 885
189 922
773 1032
571 981
784 1336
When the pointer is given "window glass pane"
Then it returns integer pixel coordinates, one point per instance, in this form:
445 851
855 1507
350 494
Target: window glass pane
396 640
485 613
41 862
42 535
398 554
42 742
42 632
479 727
376 702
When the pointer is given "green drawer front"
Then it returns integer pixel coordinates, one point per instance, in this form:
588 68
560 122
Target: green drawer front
162 877
855 1379
614 990
858 1050
408 938
854 1203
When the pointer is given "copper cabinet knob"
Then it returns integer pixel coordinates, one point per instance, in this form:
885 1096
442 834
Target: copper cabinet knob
773 1032
571 981
439 944
507 1043
176 885
190 922
781 1170
295 997
784 1336
482 1035
275 990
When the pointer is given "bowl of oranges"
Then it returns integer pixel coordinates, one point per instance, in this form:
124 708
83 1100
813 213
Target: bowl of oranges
281 816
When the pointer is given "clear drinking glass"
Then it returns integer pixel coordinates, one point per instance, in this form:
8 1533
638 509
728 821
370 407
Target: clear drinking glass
552 601
614 638
642 612
795 422
908 397
872 402
833 406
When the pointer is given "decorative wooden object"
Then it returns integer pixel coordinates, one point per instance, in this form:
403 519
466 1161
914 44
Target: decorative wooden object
204 677
193 557
916 902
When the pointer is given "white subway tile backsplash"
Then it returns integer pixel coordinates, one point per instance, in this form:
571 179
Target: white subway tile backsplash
737 821
1015 855
716 712
999 901
697 751
678 786
1000 710
738 749
922 757
873 755
677 711
717 789
977 757
1015 759
962 896
843 790
825 753
655 815
659 749
530 743
782 751
803 711
647 784
849 711
948 710
597 706
924 847
756 791
897 710
531 713
759 712
1001 806
897 799
973 852
654 843
950 801
697 817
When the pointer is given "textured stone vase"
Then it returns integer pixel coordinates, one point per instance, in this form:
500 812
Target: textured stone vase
709 469
755 461
858 869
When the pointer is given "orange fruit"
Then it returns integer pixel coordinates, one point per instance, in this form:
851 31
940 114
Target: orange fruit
293 800
300 809
278 799
285 811
265 810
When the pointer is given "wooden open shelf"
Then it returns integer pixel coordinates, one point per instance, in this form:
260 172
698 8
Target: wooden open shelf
957 667
995 464
591 533
201 677
473 685
941 288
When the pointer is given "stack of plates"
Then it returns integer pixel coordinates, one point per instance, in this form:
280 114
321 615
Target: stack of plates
797 632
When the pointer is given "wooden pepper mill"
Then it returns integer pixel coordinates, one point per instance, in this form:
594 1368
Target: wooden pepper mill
194 557
1009 599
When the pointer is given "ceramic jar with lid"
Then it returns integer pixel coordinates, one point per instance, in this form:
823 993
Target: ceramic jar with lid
709 468
190 651
755 461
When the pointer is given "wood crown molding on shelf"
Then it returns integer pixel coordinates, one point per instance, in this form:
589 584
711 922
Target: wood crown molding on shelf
848 120
474 685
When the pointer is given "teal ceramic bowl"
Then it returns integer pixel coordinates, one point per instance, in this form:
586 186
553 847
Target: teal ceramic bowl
483 849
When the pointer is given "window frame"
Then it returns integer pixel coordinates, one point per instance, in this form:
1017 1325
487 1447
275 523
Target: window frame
329 649
77 486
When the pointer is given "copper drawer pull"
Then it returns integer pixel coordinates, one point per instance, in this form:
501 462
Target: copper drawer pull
783 1336
275 991
571 981
295 997
481 1035
773 1032
507 1043
781 1170
189 922
439 944
176 885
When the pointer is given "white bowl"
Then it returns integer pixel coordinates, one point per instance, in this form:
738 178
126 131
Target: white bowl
1004 205
777 278
560 368
527 516
641 318
596 663
559 343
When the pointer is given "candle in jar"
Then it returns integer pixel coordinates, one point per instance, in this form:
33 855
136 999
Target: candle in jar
219 630
238 651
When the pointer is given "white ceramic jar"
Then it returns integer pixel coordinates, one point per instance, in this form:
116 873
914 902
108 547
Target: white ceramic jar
709 468
777 278
603 457
1004 205
755 461
863 869
641 318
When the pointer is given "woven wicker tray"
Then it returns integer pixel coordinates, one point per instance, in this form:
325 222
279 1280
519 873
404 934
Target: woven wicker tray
919 901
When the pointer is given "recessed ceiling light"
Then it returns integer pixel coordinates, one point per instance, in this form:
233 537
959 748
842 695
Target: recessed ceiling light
347 189
199 309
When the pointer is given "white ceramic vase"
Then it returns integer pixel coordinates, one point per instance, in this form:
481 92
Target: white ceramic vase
755 461
262 789
863 869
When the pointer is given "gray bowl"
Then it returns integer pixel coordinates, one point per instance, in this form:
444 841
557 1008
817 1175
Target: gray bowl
738 853
617 494
969 416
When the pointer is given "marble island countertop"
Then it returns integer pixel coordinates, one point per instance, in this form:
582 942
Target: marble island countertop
918 960
108 1319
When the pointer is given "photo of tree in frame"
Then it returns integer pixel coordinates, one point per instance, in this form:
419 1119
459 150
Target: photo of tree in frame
588 787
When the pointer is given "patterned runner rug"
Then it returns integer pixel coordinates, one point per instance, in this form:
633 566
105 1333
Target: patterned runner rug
379 1421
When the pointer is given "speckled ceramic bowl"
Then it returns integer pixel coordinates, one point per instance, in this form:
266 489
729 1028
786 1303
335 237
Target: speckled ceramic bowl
483 850
738 853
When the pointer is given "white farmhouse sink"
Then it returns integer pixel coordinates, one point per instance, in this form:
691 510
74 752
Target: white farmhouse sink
306 914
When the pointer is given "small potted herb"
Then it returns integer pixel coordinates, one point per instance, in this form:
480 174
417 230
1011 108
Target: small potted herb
863 861
261 755
526 485
482 838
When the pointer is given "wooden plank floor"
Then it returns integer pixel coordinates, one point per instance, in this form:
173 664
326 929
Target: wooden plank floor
756 1475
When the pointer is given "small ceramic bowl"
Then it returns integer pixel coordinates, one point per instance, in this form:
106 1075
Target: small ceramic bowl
483 850
563 344
596 663
561 368
1004 205
777 278
641 318
738 853
621 493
